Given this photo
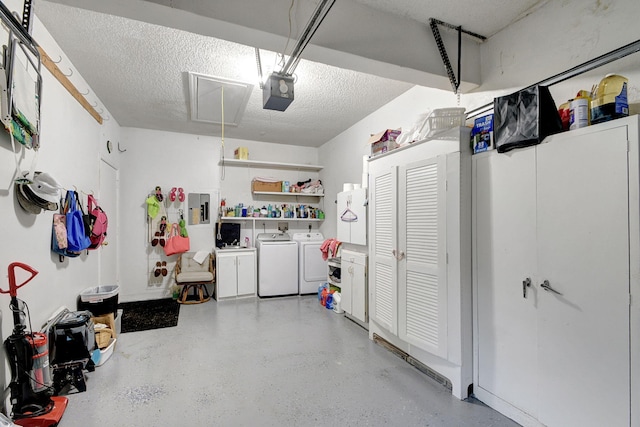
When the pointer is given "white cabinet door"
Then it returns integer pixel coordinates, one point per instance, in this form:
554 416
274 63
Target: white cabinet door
346 283
505 256
422 280
583 252
343 232
359 291
246 270
226 278
359 227
383 244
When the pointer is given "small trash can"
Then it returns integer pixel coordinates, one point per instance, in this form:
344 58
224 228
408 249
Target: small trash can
100 300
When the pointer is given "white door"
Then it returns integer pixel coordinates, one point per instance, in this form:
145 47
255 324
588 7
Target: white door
226 276
315 268
384 248
505 256
108 200
246 268
278 268
583 253
422 278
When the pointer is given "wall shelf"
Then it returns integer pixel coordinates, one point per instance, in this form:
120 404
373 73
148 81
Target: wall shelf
269 165
281 193
254 219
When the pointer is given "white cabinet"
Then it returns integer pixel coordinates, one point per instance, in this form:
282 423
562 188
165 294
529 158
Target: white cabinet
564 217
235 272
420 254
354 284
352 217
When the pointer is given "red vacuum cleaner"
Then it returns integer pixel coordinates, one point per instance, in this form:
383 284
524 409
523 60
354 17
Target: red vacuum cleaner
31 392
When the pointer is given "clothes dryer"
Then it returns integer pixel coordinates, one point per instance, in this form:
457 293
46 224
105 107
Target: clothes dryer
277 265
312 269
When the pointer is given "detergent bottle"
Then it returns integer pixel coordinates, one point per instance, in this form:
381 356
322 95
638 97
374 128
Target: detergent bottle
609 99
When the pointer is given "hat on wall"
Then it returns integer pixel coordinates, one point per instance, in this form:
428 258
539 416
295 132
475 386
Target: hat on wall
24 201
43 192
45 187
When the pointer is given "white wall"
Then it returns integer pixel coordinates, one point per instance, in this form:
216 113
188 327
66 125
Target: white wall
165 159
554 38
72 143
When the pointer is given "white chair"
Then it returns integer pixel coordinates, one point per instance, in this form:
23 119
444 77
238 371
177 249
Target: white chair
190 274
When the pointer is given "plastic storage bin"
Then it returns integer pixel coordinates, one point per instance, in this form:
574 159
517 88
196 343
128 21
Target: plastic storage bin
442 119
100 300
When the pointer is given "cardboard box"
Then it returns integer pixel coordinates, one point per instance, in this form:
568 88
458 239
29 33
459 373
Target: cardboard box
482 134
272 187
384 141
241 153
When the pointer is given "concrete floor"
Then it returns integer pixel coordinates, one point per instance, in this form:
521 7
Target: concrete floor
272 362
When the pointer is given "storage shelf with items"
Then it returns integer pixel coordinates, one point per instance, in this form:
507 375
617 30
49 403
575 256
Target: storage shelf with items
284 211
310 187
334 272
274 193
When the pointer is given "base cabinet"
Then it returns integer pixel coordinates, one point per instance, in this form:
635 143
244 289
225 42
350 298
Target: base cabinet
236 273
354 291
556 264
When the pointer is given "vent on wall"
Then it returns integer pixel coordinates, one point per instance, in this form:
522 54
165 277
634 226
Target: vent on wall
205 94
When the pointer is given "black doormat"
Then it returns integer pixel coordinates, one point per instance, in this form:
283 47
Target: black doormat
151 314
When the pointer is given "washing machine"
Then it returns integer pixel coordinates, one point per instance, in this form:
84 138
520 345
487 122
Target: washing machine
277 265
312 269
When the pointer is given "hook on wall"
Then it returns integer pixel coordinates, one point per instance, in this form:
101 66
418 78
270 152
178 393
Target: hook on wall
106 118
101 111
85 94
70 73
95 105
119 149
58 61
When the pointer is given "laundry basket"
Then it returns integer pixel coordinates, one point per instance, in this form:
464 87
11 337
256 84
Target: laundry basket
442 119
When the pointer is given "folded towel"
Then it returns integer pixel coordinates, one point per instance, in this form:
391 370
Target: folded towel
200 256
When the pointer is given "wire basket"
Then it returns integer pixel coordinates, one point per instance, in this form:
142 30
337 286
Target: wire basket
442 119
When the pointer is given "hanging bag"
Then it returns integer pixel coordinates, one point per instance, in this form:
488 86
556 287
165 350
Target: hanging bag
98 223
59 239
176 243
76 235
524 118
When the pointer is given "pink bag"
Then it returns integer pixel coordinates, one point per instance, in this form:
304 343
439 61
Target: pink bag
176 244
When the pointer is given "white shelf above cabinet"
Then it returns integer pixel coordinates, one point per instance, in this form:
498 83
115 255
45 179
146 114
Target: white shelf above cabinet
269 165
275 193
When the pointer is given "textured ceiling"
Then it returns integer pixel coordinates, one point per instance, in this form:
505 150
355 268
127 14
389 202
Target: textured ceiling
139 69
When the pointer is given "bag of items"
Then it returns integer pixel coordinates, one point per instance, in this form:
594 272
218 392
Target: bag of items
524 118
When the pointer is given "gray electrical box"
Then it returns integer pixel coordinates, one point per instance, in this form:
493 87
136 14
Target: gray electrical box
278 92
198 205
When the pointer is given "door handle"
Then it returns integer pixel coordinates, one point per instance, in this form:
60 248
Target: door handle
399 257
526 283
547 287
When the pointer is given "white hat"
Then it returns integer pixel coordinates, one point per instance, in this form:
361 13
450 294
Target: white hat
46 187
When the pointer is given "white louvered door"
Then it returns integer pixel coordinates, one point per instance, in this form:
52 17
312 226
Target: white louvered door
422 284
383 264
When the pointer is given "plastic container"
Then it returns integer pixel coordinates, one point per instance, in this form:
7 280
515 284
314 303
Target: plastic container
442 119
610 99
107 352
337 303
100 300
